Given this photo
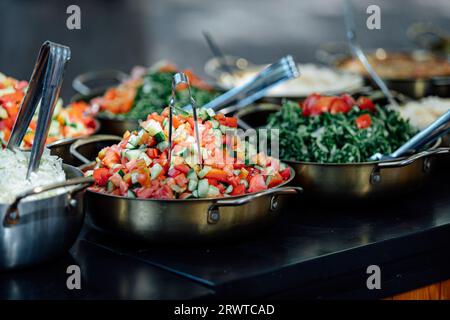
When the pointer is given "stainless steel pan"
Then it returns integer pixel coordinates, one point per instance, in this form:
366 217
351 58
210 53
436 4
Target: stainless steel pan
181 220
356 180
337 54
35 231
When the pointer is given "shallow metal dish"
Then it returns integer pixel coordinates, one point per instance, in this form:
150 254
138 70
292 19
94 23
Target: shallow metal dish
187 220
61 147
336 54
241 67
41 229
355 180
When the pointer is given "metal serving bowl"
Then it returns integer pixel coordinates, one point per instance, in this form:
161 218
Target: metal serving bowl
35 231
186 220
354 180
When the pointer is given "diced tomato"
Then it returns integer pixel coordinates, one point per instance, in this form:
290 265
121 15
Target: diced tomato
181 180
101 176
229 122
217 174
184 195
213 182
339 106
365 103
276 180
348 99
286 173
364 121
173 172
144 193
152 153
238 190
257 183
182 168
191 122
111 158
234 181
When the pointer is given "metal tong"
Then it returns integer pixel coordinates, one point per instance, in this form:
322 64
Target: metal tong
430 134
276 73
44 87
359 53
181 78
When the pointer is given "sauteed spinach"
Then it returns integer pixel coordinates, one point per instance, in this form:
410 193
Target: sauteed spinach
343 137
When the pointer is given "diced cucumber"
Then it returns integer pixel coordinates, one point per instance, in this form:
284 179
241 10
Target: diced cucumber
155 171
109 186
162 146
133 154
229 189
181 152
192 185
3 113
223 128
203 188
129 146
130 194
259 168
218 137
245 183
146 158
191 175
195 194
134 140
176 188
210 112
121 173
152 127
213 191
159 137
215 124
237 172
134 177
204 172
190 161
268 179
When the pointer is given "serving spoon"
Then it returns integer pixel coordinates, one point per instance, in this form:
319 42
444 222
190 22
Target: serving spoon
359 53
44 88
430 134
217 53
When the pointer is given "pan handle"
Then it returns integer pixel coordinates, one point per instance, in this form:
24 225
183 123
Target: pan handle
89 140
81 82
12 215
213 210
413 158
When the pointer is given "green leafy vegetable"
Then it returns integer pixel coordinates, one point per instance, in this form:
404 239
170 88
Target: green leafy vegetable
335 138
154 94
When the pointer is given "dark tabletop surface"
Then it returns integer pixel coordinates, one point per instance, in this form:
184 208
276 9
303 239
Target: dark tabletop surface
313 251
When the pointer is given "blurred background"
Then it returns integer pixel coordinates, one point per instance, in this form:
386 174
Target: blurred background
120 34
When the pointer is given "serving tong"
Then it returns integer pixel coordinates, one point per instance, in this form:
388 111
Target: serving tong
44 88
428 135
239 97
181 79
359 53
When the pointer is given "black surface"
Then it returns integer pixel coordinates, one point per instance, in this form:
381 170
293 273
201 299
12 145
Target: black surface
313 251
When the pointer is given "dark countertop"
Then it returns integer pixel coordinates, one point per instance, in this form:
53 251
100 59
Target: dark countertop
313 251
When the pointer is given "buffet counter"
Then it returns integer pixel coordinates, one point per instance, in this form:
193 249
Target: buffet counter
315 250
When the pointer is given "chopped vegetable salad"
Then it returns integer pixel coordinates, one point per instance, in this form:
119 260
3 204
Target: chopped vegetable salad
138 167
